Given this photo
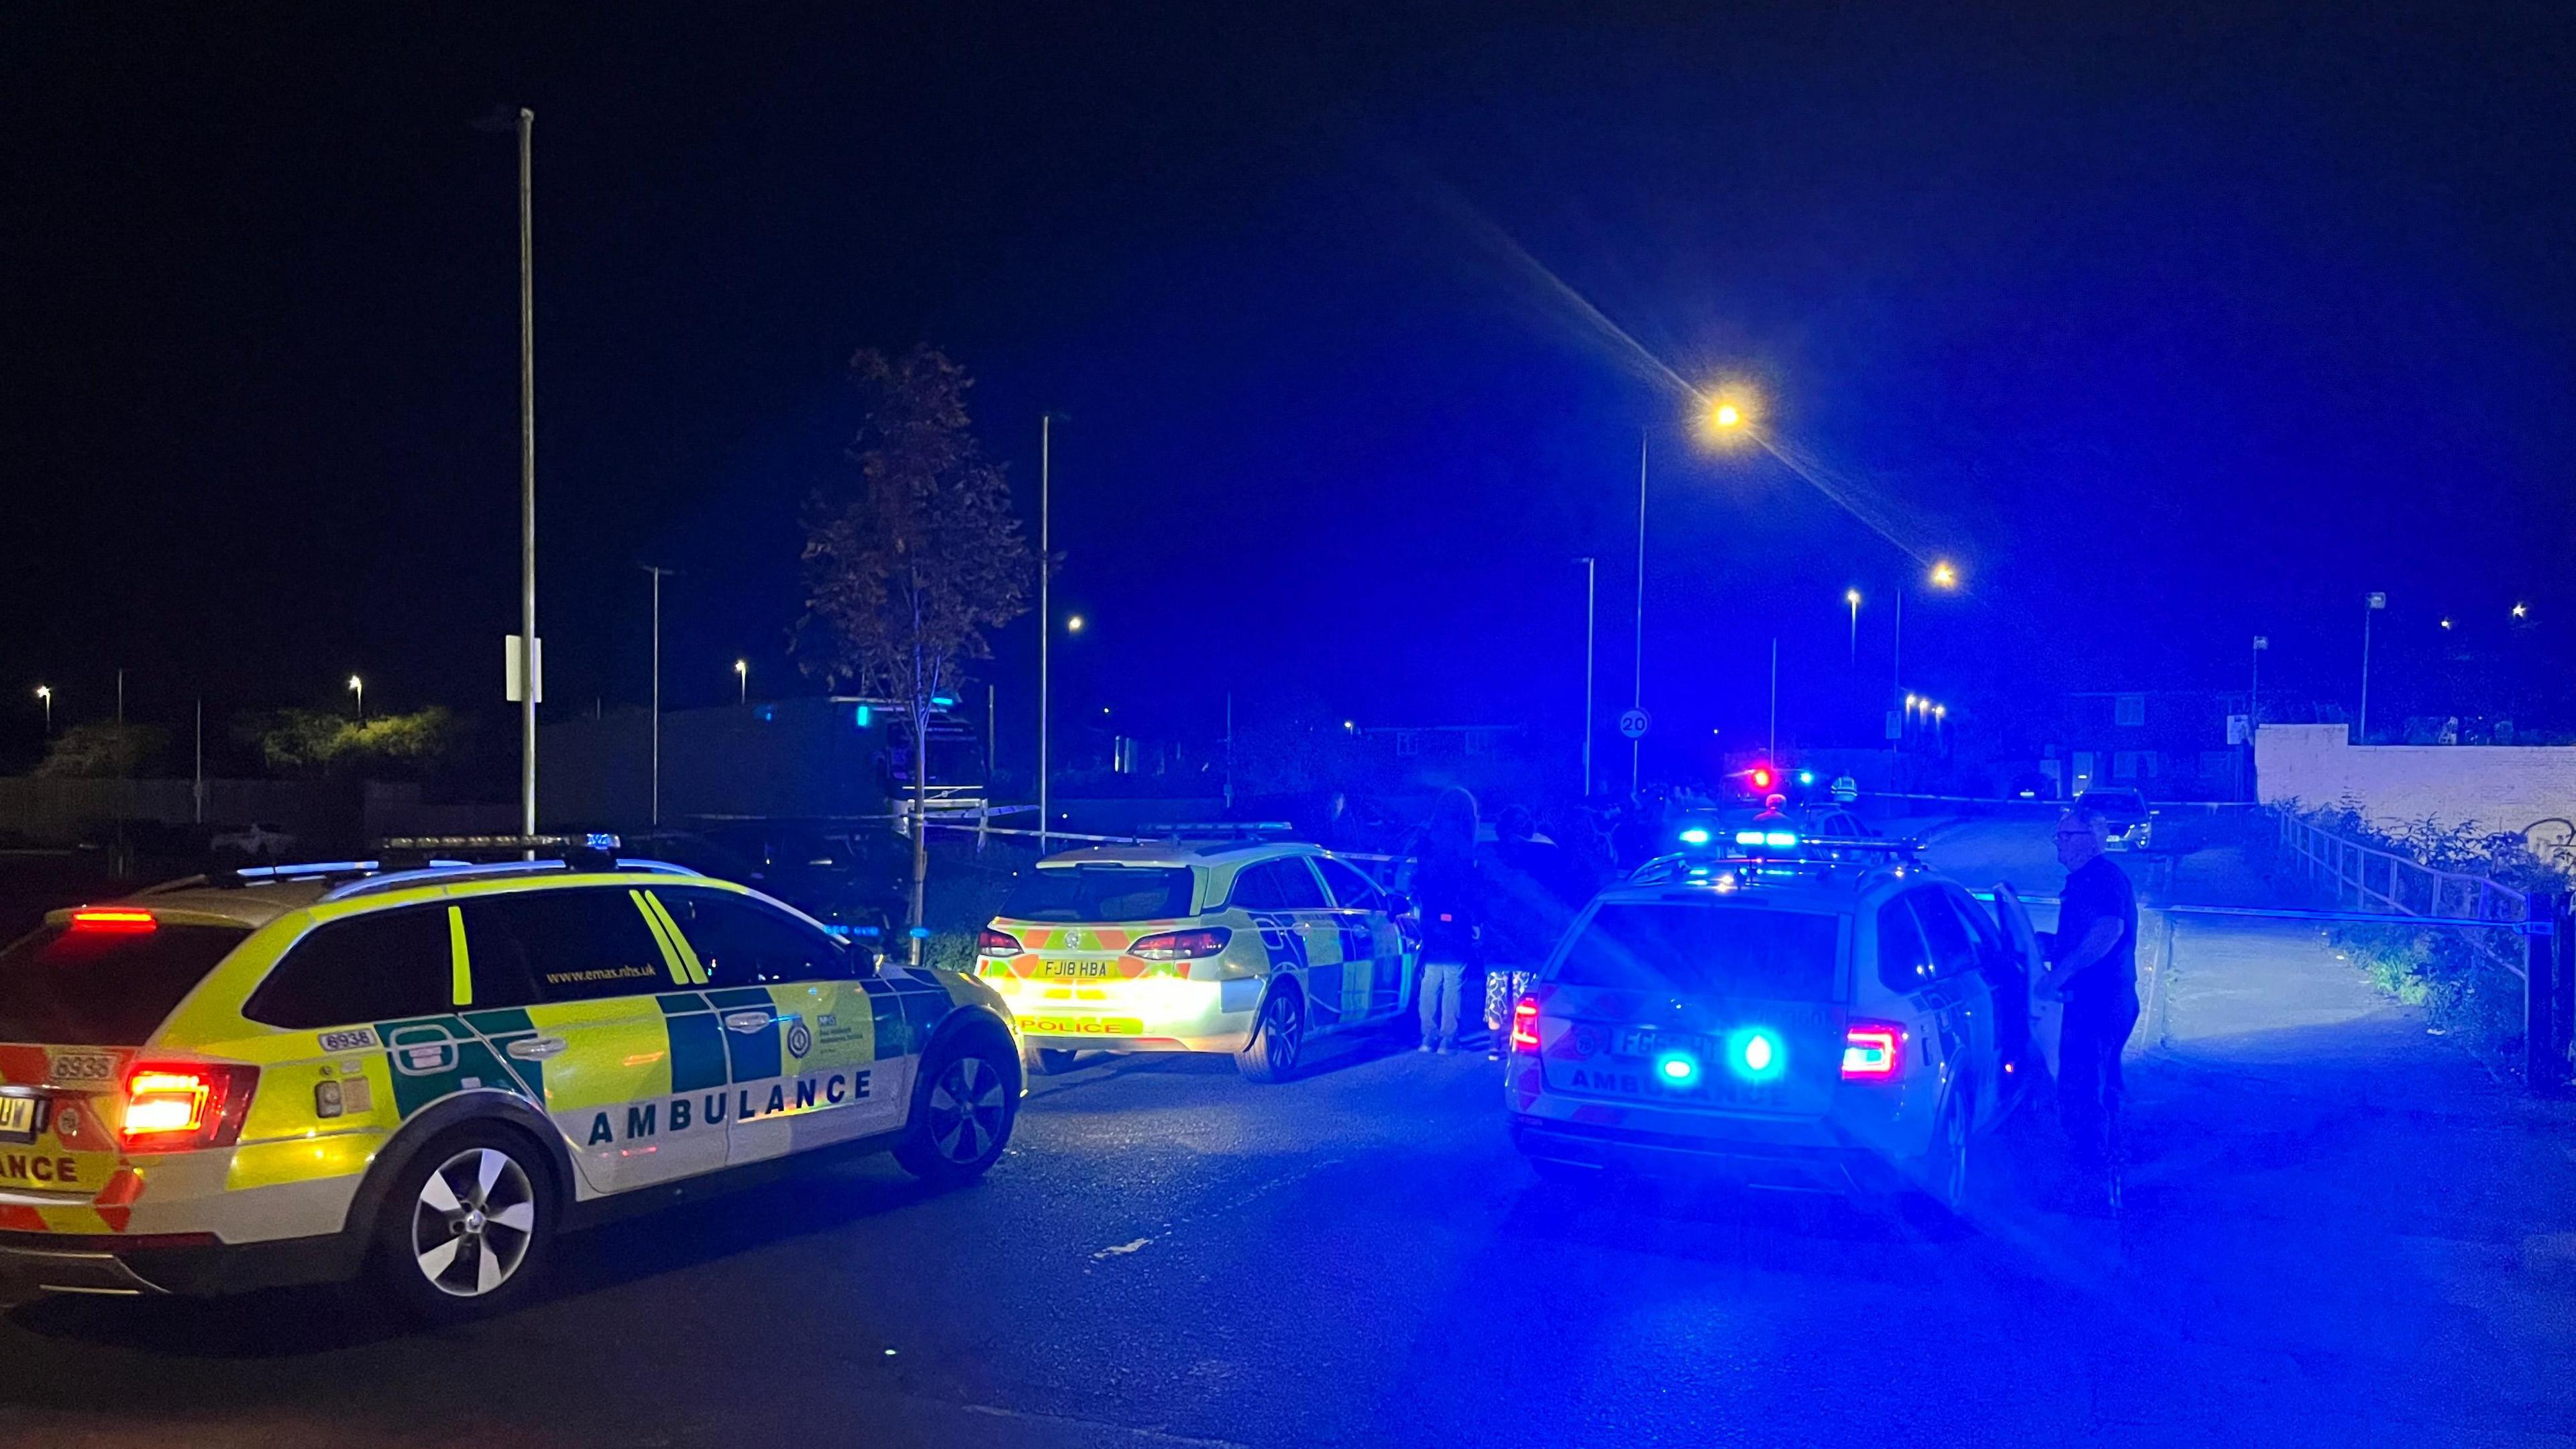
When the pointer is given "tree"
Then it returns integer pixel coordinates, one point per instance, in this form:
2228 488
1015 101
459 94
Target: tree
102 751
913 559
321 742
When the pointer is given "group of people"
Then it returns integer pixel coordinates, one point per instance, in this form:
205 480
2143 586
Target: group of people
1500 911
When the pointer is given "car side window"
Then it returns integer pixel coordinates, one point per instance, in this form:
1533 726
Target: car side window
1954 951
1352 890
1981 923
744 943
573 945
377 967
1297 884
1904 961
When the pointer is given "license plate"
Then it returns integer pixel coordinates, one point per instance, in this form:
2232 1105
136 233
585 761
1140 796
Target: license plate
18 1119
1073 970
1638 1042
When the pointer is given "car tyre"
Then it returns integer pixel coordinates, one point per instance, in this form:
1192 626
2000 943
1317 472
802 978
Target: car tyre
1945 1178
1278 1039
962 1112
467 1227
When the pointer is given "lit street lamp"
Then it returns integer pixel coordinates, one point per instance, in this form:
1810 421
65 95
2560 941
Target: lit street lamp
742 681
1942 576
45 693
1724 415
2522 611
1852 597
358 687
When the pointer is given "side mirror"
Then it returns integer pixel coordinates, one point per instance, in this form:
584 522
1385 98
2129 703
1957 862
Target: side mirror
1397 903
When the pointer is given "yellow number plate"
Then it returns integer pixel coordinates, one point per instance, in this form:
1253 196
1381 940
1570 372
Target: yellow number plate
1073 970
18 1117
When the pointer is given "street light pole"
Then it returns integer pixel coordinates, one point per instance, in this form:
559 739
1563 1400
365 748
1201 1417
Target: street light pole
45 694
657 572
2370 605
358 687
1852 597
1046 616
527 474
1636 746
1591 571
742 681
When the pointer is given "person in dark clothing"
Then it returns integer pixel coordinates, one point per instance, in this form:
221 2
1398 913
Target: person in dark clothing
2093 969
1448 898
1533 891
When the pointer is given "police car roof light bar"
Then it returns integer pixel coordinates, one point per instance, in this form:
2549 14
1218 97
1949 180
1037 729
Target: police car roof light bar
450 871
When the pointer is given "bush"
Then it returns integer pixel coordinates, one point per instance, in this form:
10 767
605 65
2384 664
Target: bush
2454 974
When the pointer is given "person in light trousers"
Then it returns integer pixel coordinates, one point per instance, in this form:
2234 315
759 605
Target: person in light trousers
1446 899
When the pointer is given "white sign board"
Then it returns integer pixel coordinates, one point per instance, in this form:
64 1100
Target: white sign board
510 669
2239 729
1634 723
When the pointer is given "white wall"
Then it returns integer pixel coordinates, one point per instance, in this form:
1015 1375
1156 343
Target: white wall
2495 787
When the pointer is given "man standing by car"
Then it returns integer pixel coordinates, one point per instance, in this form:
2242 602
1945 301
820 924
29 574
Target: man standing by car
2094 970
1448 897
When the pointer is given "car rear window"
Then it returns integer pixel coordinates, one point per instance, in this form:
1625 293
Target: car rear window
1692 946
83 986
1100 893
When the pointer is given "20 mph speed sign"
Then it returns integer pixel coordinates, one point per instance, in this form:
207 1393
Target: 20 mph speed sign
1633 723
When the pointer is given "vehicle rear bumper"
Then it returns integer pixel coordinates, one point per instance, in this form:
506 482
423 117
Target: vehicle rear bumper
192 1264
1787 1167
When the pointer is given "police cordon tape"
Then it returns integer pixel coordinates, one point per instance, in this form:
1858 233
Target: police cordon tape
1053 835
2034 800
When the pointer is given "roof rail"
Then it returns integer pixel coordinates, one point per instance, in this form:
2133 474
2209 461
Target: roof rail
448 872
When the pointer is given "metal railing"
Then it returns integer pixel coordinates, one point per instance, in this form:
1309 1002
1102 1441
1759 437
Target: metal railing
2367 878
2529 933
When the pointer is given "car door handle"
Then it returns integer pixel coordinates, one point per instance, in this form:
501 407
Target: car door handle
747 1022
535 1048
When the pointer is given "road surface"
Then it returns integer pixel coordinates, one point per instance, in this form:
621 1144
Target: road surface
2342 1231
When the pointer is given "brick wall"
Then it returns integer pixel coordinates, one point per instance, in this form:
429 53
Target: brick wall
2495 787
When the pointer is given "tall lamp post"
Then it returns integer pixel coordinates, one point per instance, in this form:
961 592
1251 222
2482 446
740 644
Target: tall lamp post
45 696
1852 597
2371 605
1046 616
527 473
1591 595
657 572
358 687
742 681
1722 417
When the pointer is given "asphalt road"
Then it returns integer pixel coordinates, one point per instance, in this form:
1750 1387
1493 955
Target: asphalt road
2341 1232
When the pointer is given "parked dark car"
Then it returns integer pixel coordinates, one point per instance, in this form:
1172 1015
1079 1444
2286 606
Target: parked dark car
2130 822
841 874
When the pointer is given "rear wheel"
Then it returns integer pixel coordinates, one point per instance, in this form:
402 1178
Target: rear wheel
1277 1041
961 1116
467 1226
1945 1178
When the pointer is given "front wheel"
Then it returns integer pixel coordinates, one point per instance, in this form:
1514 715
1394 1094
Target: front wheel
1271 1055
961 1116
467 1227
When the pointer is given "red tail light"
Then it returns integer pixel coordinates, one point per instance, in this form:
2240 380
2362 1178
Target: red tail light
997 943
1525 1024
1182 945
108 918
182 1107
1872 1051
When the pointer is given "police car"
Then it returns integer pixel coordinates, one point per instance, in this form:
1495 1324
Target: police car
1254 949
299 1074
1791 1013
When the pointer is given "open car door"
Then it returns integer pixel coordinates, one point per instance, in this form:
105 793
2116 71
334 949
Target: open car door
2044 1014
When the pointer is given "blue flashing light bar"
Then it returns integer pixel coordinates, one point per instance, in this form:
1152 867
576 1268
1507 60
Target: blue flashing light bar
943 701
1776 839
1695 836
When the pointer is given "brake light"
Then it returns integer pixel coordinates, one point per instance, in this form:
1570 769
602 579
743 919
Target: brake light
997 943
182 1108
113 919
1182 945
1525 1024
1872 1050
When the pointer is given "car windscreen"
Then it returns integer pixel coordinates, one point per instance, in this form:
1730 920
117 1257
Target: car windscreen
1703 947
1100 893
92 986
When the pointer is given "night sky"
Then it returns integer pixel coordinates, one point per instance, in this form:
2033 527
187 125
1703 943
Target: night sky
2169 324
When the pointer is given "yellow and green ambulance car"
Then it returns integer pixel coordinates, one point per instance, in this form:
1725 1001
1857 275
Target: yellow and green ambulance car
307 1074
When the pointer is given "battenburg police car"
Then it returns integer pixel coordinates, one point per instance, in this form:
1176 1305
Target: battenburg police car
1253 949
1791 1013
297 1074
